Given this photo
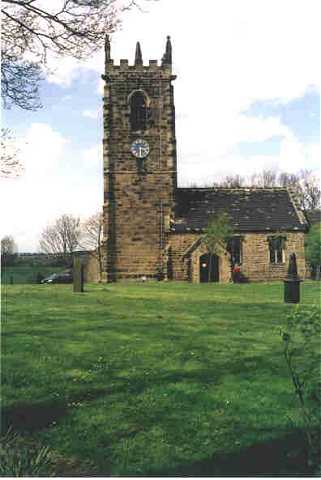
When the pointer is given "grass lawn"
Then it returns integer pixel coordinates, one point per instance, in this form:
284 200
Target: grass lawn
152 379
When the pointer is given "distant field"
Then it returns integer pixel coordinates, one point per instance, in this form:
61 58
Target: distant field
153 379
19 274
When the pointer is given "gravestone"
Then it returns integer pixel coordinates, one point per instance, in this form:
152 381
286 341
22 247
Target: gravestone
292 282
78 275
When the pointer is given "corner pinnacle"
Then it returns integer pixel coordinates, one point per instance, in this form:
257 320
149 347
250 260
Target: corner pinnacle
107 49
167 57
138 55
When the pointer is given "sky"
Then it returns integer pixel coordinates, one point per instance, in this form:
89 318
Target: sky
246 98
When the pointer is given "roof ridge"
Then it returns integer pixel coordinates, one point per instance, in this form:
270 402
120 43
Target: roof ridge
234 188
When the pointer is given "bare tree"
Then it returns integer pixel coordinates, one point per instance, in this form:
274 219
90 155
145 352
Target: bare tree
288 179
62 237
30 31
10 164
305 184
91 238
9 249
311 192
231 181
266 179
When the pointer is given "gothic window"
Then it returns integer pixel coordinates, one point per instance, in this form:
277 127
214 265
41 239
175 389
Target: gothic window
138 111
276 249
234 247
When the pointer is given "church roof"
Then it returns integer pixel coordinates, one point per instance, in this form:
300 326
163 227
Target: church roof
250 209
314 216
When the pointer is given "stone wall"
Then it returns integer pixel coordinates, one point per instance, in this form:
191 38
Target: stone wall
178 245
185 264
256 264
138 194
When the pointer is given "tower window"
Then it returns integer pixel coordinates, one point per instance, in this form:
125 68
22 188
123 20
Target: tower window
276 248
138 111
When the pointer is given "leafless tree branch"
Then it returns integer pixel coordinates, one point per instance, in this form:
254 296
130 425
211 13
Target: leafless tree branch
75 28
305 184
10 164
91 238
62 237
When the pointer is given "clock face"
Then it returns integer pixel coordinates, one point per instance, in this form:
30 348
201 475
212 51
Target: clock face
140 148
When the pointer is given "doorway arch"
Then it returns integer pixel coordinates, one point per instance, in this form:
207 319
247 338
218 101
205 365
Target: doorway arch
209 268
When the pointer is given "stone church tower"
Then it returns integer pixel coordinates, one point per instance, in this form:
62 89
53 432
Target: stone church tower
140 173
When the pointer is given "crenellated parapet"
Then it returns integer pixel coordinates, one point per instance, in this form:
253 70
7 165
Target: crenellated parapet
163 69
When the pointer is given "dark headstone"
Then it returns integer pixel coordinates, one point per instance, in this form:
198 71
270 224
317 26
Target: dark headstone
78 275
292 282
292 269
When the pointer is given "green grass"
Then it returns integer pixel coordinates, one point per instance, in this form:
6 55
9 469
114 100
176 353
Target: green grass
156 378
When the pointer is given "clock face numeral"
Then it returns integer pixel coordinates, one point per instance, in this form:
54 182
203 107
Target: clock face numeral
140 148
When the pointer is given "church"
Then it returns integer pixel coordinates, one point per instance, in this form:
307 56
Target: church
154 229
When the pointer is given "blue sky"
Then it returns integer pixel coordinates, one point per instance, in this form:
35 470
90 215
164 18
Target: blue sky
246 99
63 108
301 115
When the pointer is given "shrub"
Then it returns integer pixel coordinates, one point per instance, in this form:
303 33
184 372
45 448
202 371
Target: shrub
313 249
301 339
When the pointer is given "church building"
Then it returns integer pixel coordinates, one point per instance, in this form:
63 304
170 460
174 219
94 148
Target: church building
153 228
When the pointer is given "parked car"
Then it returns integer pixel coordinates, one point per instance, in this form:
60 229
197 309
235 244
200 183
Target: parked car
63 277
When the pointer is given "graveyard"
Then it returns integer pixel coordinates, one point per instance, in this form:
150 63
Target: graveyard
155 378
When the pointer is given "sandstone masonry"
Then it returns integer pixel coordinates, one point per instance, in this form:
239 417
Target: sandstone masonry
154 229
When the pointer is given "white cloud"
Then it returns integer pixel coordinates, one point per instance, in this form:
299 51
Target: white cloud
53 183
93 156
227 54
93 114
203 169
42 148
252 47
64 71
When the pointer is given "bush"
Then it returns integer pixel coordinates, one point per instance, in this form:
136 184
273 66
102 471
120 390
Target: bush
313 250
301 339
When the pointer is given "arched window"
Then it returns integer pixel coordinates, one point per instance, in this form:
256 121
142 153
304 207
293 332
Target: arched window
138 111
276 247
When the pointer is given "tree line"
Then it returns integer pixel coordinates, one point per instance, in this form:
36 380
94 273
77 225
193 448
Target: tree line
62 238
304 184
68 234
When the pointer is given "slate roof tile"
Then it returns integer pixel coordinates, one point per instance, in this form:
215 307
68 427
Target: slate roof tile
250 209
